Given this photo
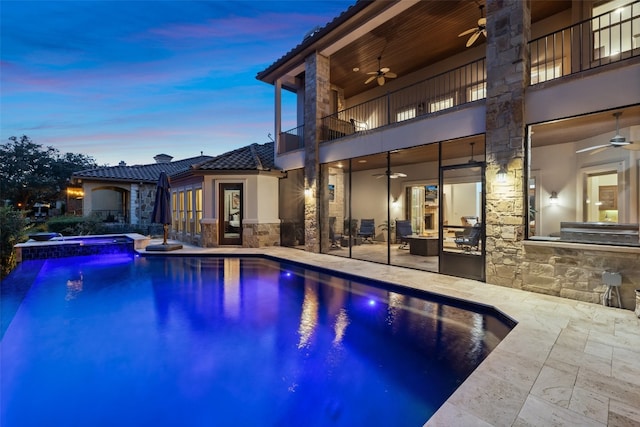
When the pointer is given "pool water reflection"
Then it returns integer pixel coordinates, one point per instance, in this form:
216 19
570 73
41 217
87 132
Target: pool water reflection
122 340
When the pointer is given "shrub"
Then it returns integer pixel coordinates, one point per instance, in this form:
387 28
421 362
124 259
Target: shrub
12 232
76 225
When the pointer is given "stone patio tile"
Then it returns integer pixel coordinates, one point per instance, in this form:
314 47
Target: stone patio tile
623 415
590 404
537 412
613 388
555 386
451 415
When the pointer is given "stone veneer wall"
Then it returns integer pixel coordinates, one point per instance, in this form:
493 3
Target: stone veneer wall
209 235
316 105
575 270
508 68
260 235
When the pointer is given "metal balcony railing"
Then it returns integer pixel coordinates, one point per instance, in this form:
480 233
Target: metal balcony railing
604 39
455 87
290 140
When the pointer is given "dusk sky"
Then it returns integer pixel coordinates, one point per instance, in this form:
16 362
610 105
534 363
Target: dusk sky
126 80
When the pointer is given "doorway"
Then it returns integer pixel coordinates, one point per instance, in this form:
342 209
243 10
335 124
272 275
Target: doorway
462 228
230 213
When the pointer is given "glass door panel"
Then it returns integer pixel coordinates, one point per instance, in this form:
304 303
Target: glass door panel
230 214
462 226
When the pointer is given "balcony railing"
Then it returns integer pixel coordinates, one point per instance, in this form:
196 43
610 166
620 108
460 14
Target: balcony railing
290 140
604 39
455 87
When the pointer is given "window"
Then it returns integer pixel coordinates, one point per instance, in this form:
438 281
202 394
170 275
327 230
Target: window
443 104
476 92
546 71
198 211
616 28
577 195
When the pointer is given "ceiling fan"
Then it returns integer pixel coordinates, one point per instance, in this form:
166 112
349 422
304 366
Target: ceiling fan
475 32
392 175
616 141
381 74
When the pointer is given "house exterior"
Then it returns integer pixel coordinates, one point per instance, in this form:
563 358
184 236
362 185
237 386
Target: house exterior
530 132
124 194
229 200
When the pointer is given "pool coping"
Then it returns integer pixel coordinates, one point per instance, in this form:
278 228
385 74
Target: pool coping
559 365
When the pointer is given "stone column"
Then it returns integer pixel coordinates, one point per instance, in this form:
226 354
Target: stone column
316 106
508 76
134 204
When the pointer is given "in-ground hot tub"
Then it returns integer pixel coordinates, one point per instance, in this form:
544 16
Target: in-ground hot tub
59 247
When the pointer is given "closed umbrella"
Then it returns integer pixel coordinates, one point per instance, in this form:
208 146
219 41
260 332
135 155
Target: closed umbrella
162 206
162 213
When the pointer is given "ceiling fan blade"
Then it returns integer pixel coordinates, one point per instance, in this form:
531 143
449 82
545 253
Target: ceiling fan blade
380 80
374 73
595 147
484 32
370 79
469 31
384 70
399 175
390 75
482 22
473 38
599 150
632 146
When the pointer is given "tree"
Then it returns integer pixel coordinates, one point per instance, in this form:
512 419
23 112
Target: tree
30 173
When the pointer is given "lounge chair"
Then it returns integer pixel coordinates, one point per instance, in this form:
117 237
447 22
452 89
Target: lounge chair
367 230
332 233
470 238
403 229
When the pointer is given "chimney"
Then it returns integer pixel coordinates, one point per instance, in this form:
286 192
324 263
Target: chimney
122 163
162 158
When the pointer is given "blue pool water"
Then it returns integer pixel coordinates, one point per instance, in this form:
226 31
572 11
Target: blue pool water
121 340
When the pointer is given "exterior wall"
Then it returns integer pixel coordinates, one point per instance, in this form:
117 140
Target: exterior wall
574 270
508 71
260 223
260 235
209 233
317 105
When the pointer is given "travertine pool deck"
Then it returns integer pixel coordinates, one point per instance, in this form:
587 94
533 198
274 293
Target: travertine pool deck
566 363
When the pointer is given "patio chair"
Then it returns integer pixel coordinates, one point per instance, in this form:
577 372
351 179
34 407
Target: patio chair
332 233
403 229
367 230
470 238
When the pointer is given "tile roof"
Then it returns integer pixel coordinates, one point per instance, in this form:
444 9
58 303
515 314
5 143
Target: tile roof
252 157
315 34
140 173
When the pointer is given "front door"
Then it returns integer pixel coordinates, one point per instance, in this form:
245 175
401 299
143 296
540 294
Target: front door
230 214
462 225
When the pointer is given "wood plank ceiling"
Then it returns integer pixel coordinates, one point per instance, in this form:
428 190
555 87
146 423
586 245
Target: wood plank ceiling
438 24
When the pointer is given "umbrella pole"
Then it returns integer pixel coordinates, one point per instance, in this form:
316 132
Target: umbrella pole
166 232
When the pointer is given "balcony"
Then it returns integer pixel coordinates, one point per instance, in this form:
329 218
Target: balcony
607 38
452 88
610 37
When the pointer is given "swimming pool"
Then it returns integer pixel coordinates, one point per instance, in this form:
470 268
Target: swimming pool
195 341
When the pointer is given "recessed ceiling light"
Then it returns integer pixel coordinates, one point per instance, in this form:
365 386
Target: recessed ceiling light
362 161
356 69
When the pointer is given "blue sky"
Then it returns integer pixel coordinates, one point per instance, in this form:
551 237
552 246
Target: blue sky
126 80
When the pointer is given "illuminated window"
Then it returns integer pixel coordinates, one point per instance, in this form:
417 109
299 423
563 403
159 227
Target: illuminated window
478 91
443 104
547 71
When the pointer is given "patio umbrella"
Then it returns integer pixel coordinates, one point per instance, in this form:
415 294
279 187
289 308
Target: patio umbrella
162 206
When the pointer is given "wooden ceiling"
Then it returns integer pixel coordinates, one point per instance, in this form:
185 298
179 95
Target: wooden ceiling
438 24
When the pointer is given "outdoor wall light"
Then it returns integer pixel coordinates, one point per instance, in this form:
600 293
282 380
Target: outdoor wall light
501 176
553 199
